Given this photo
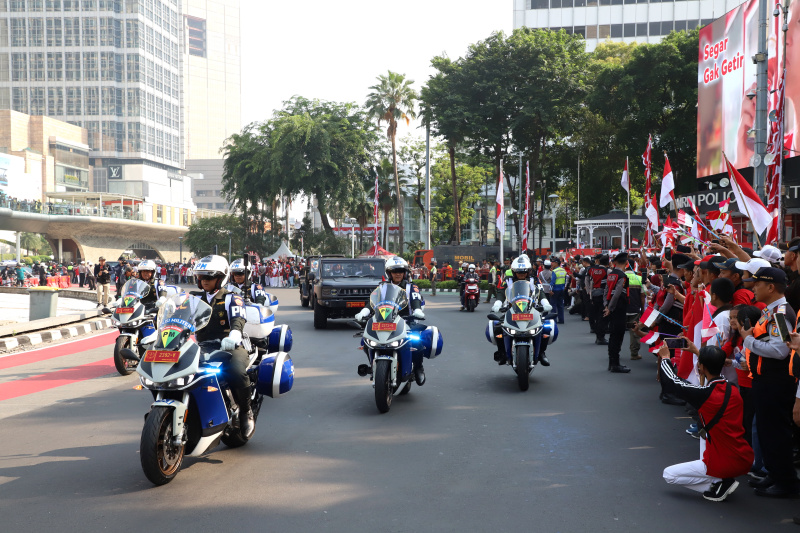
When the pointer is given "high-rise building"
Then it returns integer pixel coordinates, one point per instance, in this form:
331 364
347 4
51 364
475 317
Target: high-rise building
212 74
643 21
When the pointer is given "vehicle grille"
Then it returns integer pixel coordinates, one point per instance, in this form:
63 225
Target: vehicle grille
354 292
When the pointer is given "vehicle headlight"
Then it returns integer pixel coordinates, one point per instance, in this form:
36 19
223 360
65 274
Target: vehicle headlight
395 344
370 343
326 291
333 292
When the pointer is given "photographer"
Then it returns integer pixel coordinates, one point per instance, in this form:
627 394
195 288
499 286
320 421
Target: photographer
724 454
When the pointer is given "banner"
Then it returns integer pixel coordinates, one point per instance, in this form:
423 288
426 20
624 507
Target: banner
726 75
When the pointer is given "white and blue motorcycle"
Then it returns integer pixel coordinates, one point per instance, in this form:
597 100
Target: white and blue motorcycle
194 408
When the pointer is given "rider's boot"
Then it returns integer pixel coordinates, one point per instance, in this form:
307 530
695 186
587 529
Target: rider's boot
615 367
246 419
543 360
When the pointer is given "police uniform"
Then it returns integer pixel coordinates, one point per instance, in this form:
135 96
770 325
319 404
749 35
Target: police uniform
774 385
156 287
596 285
634 309
257 293
559 282
227 313
616 301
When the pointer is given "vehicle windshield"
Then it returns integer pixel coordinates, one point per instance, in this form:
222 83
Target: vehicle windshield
387 300
134 289
185 312
520 296
352 268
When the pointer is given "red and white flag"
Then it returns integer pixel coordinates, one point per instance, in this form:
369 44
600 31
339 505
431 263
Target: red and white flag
691 204
775 169
650 338
649 316
667 185
626 181
652 214
527 207
682 218
634 242
500 203
709 328
747 200
656 347
649 239
375 215
724 205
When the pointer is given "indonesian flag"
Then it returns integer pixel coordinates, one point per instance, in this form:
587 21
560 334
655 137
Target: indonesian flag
652 214
667 185
634 242
626 181
775 170
724 205
650 338
375 215
527 207
656 348
649 316
682 218
668 235
691 204
649 239
747 200
709 328
501 216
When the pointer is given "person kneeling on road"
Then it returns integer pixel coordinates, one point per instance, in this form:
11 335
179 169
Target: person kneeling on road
227 322
521 269
398 273
724 453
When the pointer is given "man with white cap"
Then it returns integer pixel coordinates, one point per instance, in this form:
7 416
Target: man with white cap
770 254
546 279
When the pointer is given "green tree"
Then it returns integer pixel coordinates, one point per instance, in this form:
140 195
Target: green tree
393 99
469 182
204 233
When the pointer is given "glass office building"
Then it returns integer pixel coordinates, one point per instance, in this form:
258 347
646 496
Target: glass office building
643 21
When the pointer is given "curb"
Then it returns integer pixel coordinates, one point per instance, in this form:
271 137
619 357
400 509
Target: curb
32 339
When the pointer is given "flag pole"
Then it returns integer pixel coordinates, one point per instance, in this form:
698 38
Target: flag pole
503 229
629 204
747 211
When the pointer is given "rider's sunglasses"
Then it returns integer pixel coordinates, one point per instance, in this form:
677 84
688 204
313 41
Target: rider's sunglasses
205 278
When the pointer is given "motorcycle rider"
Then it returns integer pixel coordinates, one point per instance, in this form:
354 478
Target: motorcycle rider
468 276
147 270
227 322
240 275
398 273
521 269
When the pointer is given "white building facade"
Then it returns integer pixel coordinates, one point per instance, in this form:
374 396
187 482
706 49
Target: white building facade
642 21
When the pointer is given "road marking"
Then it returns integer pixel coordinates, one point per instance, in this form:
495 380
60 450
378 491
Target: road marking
59 350
59 378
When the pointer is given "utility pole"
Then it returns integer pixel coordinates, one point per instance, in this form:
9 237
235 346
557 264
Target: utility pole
762 96
428 187
520 207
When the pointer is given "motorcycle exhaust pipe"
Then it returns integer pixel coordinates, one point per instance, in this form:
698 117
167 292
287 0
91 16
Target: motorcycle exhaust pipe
128 354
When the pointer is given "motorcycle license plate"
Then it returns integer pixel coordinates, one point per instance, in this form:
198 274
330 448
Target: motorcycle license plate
161 356
384 326
522 316
125 310
356 304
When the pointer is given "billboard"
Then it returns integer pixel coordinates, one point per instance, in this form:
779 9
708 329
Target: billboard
726 75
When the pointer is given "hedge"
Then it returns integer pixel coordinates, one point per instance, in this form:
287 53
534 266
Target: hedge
449 284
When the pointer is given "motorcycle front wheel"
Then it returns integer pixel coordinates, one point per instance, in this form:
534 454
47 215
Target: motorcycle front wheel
161 459
522 359
383 385
124 366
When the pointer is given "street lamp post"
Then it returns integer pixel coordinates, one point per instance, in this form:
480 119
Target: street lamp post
352 223
180 247
230 238
553 227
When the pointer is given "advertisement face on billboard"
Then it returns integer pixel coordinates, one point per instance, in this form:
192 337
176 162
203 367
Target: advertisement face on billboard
726 75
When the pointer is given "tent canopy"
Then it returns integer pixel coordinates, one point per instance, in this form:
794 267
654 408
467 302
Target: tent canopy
283 251
381 252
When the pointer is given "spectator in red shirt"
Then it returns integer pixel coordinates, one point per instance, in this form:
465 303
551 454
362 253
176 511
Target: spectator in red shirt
727 269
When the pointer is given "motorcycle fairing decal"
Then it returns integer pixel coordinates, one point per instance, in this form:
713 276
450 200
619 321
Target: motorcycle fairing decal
385 310
181 322
128 301
168 334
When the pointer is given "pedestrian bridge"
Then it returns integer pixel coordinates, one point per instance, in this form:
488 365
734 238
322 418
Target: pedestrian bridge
88 236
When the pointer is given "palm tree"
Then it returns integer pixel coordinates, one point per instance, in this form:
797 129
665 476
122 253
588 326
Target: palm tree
393 99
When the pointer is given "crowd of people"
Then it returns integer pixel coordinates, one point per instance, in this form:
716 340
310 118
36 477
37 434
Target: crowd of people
722 320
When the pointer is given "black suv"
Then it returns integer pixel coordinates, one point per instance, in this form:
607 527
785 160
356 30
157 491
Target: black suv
306 282
341 287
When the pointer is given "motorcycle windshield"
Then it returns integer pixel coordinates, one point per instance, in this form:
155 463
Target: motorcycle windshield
520 297
387 300
180 316
133 290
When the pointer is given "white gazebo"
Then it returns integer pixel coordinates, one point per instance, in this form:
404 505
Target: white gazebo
610 230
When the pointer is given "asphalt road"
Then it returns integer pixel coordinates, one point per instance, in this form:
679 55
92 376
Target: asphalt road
581 450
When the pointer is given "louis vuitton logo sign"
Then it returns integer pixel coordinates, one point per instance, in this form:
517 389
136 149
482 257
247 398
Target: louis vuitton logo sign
115 172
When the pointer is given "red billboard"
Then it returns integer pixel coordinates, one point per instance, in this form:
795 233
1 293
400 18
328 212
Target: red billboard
726 77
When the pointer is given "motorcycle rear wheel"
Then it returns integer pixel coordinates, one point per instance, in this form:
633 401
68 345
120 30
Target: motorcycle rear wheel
124 366
383 385
523 363
161 460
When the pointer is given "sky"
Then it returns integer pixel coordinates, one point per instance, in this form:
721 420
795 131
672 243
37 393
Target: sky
334 50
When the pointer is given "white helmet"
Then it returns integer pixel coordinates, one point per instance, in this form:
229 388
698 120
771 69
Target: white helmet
521 264
464 264
212 265
471 267
396 263
147 264
547 262
237 267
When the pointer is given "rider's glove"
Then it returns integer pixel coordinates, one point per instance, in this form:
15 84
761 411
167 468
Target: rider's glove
116 303
363 314
161 301
418 313
546 307
497 305
232 340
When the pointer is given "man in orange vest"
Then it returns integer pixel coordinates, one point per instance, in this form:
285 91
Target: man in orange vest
774 386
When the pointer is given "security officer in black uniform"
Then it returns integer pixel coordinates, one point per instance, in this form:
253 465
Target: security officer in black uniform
239 274
227 322
616 307
596 287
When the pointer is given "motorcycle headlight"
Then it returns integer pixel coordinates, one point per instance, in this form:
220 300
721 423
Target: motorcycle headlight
370 343
395 344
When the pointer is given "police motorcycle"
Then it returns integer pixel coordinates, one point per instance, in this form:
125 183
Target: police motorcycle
472 292
523 329
136 325
390 342
194 408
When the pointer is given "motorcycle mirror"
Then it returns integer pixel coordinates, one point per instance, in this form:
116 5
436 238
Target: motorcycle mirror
355 324
106 311
493 316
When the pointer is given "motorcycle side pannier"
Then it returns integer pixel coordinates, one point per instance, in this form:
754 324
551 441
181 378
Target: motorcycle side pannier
280 339
431 342
259 321
275 375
